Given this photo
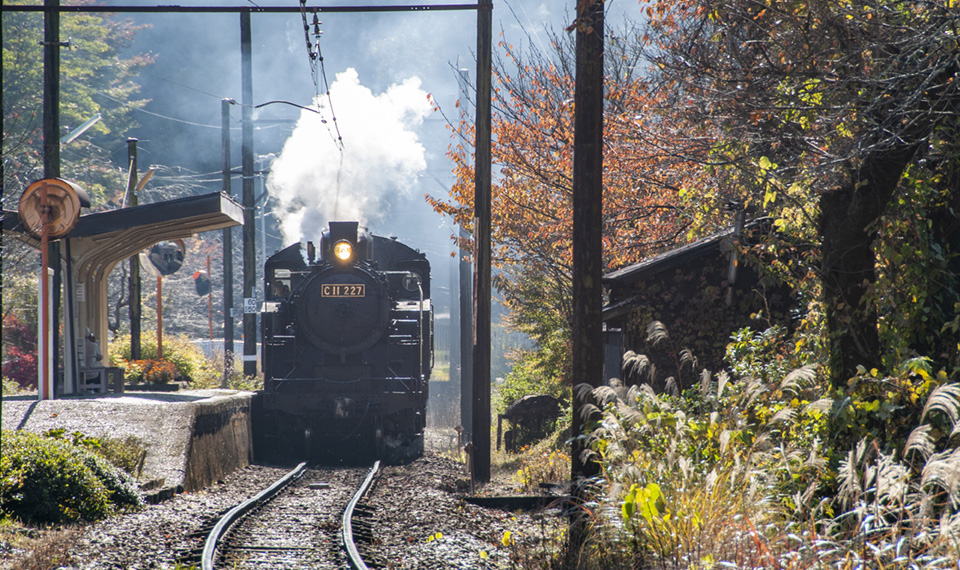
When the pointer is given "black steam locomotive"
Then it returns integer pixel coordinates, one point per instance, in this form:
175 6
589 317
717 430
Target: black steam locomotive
347 350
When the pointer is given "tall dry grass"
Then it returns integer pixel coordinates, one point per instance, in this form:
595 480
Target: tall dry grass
736 486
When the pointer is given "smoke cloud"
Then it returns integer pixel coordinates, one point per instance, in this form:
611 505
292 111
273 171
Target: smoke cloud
315 179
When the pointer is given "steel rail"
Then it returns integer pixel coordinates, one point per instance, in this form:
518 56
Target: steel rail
356 561
210 547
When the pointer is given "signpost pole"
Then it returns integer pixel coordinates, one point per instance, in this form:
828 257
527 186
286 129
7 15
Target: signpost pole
45 352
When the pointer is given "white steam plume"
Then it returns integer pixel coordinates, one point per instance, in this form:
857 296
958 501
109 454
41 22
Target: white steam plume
313 182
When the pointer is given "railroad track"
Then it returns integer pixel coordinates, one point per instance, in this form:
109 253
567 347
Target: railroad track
306 519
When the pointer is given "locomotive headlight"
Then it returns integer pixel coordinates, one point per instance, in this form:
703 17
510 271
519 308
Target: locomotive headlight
343 250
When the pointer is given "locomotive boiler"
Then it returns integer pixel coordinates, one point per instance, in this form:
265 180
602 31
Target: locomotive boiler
347 350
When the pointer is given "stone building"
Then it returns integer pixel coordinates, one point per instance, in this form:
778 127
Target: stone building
700 294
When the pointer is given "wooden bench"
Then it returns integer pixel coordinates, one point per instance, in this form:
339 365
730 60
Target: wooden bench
100 380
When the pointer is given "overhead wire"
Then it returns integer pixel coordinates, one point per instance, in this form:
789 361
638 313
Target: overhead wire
184 85
191 123
315 56
316 63
235 120
158 115
535 36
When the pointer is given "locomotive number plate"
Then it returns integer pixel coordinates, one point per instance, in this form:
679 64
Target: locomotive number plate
343 290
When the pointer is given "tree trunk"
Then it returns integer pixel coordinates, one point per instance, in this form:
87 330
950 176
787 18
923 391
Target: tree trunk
848 261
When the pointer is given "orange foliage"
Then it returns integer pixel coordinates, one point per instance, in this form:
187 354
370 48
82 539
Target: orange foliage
532 153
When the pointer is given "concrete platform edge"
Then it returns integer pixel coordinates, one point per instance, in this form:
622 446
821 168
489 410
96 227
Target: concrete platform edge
194 438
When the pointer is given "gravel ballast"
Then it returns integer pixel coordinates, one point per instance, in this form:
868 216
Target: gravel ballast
420 516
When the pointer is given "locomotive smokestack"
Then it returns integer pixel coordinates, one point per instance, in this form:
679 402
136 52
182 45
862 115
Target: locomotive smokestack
340 234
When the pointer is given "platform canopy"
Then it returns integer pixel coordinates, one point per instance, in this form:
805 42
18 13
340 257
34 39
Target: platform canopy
103 239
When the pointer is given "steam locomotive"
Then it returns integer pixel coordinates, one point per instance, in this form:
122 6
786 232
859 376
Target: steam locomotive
347 350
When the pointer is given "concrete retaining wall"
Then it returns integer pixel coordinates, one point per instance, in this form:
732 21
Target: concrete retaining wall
221 441
193 438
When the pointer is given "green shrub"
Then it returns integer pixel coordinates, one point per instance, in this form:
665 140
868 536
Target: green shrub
51 480
536 371
250 383
189 363
10 387
119 482
883 407
127 453
211 375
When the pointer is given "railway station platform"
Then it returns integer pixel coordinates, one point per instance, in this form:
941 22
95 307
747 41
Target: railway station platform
193 437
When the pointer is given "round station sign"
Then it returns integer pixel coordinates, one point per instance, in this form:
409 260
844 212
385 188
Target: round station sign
51 204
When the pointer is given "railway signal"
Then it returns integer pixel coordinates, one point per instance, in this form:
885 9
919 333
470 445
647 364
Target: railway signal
201 281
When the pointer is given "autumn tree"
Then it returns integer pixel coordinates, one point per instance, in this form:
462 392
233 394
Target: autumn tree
100 82
532 187
831 111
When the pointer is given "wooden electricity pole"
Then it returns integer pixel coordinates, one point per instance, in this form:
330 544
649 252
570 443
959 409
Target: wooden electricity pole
227 248
50 299
51 89
587 217
587 254
249 222
134 284
481 235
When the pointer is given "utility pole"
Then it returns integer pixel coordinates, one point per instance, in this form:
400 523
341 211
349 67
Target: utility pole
134 284
481 236
249 222
227 248
587 369
51 169
51 89
587 212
